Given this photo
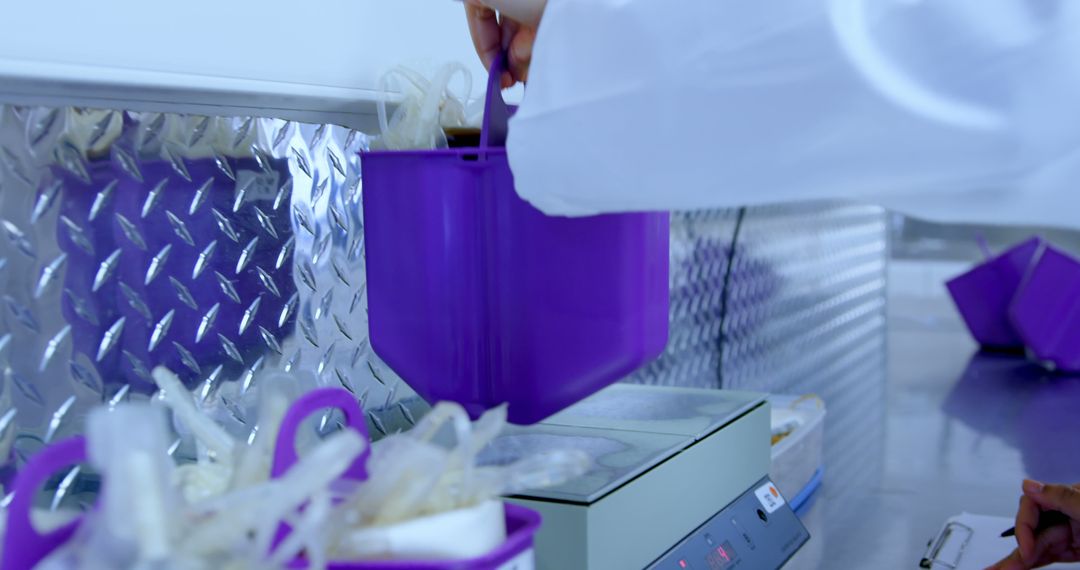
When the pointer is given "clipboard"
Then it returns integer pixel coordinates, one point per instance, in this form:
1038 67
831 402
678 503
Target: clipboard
972 542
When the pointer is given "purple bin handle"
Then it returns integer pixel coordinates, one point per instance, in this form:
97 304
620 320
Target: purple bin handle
285 448
496 112
24 546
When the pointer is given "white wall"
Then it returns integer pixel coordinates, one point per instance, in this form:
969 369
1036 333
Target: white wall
313 59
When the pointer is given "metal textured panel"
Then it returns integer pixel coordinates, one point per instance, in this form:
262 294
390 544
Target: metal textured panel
787 299
701 245
223 248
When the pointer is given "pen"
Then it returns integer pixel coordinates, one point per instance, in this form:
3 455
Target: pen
1047 519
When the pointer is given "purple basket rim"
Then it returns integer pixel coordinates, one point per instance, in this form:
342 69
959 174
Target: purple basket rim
1038 241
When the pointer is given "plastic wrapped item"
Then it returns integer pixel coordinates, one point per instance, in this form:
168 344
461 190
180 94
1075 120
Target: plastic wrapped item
223 462
135 525
250 517
427 107
142 522
420 500
424 483
798 431
533 311
515 553
455 534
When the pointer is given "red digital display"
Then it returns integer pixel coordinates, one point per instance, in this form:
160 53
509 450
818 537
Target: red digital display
723 553
682 564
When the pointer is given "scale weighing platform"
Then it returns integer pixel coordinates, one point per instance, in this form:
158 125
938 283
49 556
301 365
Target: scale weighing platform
679 481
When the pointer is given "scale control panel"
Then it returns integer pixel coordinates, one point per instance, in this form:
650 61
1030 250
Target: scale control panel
758 531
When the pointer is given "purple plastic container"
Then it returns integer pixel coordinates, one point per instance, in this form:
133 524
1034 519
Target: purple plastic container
1046 309
25 547
983 295
476 297
521 523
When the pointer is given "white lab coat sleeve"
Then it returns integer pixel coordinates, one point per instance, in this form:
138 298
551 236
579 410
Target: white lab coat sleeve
956 110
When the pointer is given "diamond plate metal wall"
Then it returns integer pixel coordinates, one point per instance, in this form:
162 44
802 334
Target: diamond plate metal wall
823 330
701 246
223 248
791 299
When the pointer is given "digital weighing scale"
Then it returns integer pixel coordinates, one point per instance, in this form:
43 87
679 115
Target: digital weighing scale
679 481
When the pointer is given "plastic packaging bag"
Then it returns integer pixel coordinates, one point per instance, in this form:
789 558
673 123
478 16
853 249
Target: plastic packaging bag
143 521
458 534
223 462
425 483
137 506
425 497
427 107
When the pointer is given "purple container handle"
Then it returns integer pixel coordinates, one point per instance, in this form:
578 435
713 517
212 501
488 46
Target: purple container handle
285 447
496 113
24 546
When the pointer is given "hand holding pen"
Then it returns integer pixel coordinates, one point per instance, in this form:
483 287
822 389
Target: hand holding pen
1047 527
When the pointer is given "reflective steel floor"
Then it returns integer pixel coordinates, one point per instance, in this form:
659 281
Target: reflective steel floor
962 429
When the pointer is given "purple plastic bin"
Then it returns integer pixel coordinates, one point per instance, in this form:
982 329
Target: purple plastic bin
1046 309
521 523
983 294
24 546
476 297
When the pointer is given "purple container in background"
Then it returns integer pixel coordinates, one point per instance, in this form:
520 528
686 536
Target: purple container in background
1046 309
983 295
475 296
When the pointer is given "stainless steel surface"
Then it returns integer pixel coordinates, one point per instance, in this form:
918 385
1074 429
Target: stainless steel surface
960 431
802 310
658 409
782 299
626 430
226 248
637 522
618 456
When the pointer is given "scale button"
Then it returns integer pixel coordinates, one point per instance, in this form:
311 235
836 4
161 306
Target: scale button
745 535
